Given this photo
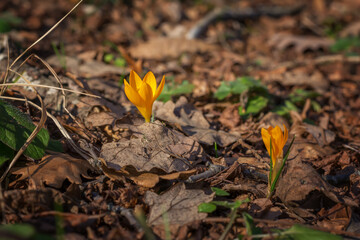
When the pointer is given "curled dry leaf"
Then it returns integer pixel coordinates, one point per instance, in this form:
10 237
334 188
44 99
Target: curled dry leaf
192 122
152 153
54 169
322 136
180 205
301 183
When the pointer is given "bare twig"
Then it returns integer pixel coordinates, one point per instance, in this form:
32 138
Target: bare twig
213 170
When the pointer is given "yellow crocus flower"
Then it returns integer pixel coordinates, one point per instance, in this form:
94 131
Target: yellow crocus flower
278 141
143 93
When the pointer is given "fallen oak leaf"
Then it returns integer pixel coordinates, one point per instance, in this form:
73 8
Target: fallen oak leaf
52 170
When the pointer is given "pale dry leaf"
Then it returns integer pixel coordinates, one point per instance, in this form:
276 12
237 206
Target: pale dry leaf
179 204
297 77
281 41
90 68
193 122
273 119
321 136
163 48
153 146
52 170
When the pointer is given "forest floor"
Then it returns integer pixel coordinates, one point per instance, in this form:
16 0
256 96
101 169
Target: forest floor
200 170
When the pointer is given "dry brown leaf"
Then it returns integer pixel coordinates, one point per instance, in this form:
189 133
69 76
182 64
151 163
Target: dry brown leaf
322 136
86 104
302 184
54 169
352 29
143 178
180 205
162 48
230 116
152 151
100 119
263 208
192 122
272 119
281 41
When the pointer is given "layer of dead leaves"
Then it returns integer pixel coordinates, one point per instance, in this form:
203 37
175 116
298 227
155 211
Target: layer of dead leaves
143 169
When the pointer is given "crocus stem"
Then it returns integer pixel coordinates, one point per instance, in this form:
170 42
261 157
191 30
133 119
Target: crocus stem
152 117
273 184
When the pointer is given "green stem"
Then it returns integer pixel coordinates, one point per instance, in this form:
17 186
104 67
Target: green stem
273 184
233 216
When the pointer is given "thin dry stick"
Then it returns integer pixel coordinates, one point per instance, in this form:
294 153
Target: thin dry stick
7 65
45 86
62 88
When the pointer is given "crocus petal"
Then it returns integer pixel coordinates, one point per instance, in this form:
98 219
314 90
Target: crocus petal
135 80
277 135
159 89
145 92
145 113
151 80
266 138
286 135
133 95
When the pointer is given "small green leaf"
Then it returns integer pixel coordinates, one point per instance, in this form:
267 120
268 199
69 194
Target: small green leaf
220 192
299 232
207 207
290 106
108 57
55 146
6 153
345 44
316 106
172 89
255 105
223 91
16 127
20 230
8 21
251 229
120 62
231 205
